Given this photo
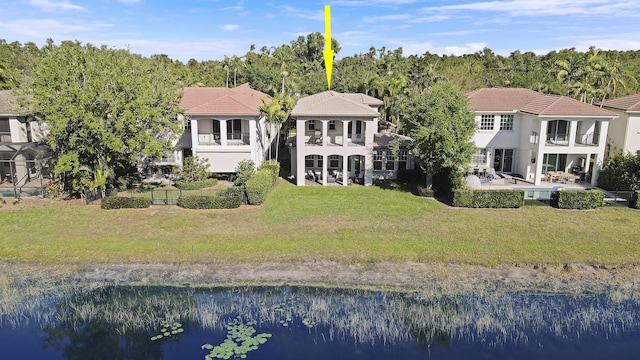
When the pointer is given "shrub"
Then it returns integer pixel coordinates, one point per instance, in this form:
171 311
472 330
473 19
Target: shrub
244 171
488 198
194 169
258 186
209 202
578 199
273 166
425 192
634 202
195 185
116 202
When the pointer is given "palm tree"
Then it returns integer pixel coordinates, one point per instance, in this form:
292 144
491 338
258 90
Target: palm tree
277 112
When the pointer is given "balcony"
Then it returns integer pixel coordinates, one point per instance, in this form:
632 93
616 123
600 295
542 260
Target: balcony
588 139
209 139
559 139
237 138
5 137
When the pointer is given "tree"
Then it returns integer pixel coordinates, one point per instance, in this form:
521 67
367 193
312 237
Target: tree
194 169
277 112
441 125
104 109
621 172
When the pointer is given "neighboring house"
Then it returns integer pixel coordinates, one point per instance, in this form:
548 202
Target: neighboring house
338 134
530 134
224 126
21 157
624 132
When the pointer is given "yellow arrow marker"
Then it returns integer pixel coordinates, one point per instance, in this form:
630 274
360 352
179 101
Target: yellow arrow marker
328 52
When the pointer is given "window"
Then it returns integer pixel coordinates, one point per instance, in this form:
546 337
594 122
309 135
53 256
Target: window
5 131
480 157
503 160
486 122
309 161
334 161
390 161
558 132
332 124
377 160
402 160
312 124
506 122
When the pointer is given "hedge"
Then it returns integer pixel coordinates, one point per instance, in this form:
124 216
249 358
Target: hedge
425 192
195 185
634 201
577 199
488 198
273 166
116 202
258 186
209 202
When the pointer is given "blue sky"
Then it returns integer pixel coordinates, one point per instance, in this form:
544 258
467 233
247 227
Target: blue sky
211 29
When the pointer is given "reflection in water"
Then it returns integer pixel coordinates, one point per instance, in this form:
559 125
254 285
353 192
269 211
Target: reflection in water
94 320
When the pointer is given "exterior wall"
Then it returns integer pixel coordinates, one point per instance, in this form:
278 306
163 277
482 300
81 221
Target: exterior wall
224 155
336 145
528 139
632 138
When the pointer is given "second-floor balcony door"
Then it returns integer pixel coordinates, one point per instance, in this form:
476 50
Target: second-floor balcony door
558 132
235 133
503 160
357 136
5 131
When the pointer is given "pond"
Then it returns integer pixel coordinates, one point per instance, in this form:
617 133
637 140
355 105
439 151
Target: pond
106 321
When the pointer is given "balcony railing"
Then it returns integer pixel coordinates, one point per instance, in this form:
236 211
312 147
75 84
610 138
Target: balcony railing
587 139
558 139
209 139
164 159
238 138
5 137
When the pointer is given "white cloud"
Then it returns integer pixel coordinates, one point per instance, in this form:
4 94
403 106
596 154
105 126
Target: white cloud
303 13
39 29
229 27
543 7
129 1
49 5
397 17
469 48
183 50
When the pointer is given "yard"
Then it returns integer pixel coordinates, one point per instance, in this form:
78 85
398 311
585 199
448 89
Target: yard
344 224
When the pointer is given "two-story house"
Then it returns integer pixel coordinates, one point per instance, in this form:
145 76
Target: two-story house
530 134
21 157
338 141
224 126
624 132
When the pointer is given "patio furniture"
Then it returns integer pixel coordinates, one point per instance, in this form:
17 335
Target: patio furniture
311 175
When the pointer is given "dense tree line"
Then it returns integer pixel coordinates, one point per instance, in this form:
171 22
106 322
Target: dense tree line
94 81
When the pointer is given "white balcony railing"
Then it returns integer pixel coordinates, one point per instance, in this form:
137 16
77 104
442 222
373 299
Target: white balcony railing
209 139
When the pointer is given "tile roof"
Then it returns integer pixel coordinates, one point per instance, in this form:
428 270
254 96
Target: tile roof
238 101
8 102
529 101
500 99
626 103
331 103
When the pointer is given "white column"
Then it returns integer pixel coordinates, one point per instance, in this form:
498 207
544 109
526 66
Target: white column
368 168
223 132
573 132
325 159
345 174
194 136
325 131
345 133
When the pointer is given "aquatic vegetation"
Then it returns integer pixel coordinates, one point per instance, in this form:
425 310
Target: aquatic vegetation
168 329
241 339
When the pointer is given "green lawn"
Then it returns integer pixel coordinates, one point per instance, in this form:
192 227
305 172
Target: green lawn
351 225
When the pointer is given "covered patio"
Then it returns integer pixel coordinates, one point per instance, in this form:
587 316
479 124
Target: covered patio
25 169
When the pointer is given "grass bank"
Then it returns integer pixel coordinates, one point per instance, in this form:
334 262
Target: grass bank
349 225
